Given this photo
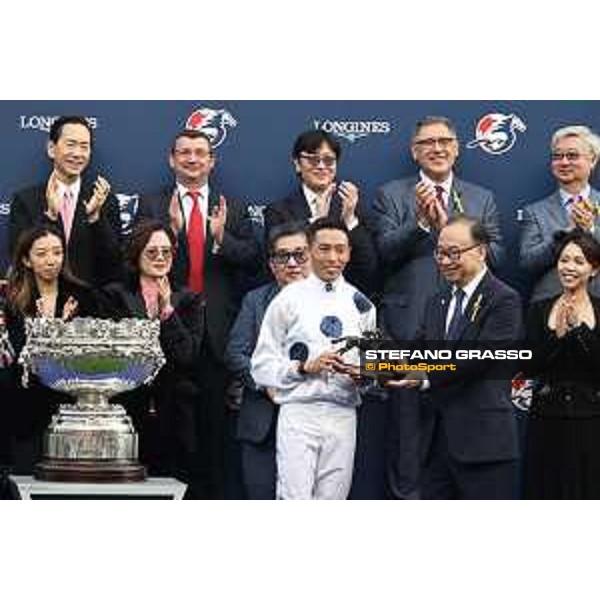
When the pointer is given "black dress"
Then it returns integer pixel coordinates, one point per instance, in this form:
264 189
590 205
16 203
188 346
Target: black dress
562 456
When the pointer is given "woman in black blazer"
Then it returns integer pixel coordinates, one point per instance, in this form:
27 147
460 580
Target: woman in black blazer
40 284
562 456
164 412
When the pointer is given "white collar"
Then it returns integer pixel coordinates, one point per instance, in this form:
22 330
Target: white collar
446 184
584 193
184 191
326 286
74 188
470 288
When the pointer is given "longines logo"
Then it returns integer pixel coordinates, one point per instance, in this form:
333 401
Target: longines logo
44 122
353 130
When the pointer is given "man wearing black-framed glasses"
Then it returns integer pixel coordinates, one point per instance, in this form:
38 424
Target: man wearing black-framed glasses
316 156
408 216
289 261
468 431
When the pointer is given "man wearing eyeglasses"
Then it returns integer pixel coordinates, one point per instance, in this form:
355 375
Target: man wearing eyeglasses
574 155
289 261
215 244
469 441
408 216
316 155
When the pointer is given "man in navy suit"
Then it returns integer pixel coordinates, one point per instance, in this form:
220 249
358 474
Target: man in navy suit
85 211
289 260
469 443
408 216
316 155
216 244
575 152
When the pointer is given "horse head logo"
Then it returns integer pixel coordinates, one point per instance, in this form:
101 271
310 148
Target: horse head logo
213 122
497 133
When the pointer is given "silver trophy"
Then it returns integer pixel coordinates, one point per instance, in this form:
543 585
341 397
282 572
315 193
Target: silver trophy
91 359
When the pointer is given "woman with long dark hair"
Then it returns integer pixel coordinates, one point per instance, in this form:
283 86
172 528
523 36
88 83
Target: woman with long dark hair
39 285
164 414
562 457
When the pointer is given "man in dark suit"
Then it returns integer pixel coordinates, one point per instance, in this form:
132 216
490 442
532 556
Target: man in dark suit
215 243
289 260
469 442
575 152
408 215
316 155
86 213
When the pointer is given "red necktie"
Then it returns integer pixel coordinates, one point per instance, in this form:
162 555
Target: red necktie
195 237
439 193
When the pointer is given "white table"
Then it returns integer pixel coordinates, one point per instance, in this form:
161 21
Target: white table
160 488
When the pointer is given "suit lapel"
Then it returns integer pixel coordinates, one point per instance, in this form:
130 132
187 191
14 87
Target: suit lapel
557 211
440 314
456 200
595 197
134 301
412 200
214 197
80 216
299 206
476 307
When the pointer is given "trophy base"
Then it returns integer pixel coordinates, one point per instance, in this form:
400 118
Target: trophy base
89 471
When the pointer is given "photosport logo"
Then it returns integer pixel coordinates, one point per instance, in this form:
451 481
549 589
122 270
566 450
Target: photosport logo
213 122
496 133
353 130
44 122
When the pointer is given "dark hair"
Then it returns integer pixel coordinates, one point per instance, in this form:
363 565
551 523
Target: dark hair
57 126
478 232
325 223
20 290
138 239
284 230
434 120
192 134
310 141
586 241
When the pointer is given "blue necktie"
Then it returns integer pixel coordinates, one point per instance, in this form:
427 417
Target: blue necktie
457 320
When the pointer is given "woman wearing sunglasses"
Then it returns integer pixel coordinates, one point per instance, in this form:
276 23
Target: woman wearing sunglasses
164 413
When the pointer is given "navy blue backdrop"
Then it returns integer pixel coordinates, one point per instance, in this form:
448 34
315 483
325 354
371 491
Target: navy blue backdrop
132 141
254 140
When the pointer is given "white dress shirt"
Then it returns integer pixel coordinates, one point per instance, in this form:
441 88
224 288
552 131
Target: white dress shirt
187 203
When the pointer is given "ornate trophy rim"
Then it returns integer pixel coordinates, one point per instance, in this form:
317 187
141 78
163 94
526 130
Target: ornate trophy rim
91 359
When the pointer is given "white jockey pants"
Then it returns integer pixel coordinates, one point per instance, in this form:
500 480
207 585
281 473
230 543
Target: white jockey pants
315 451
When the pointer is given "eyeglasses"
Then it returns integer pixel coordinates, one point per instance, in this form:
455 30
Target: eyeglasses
188 153
154 253
570 156
452 254
443 142
314 160
283 258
